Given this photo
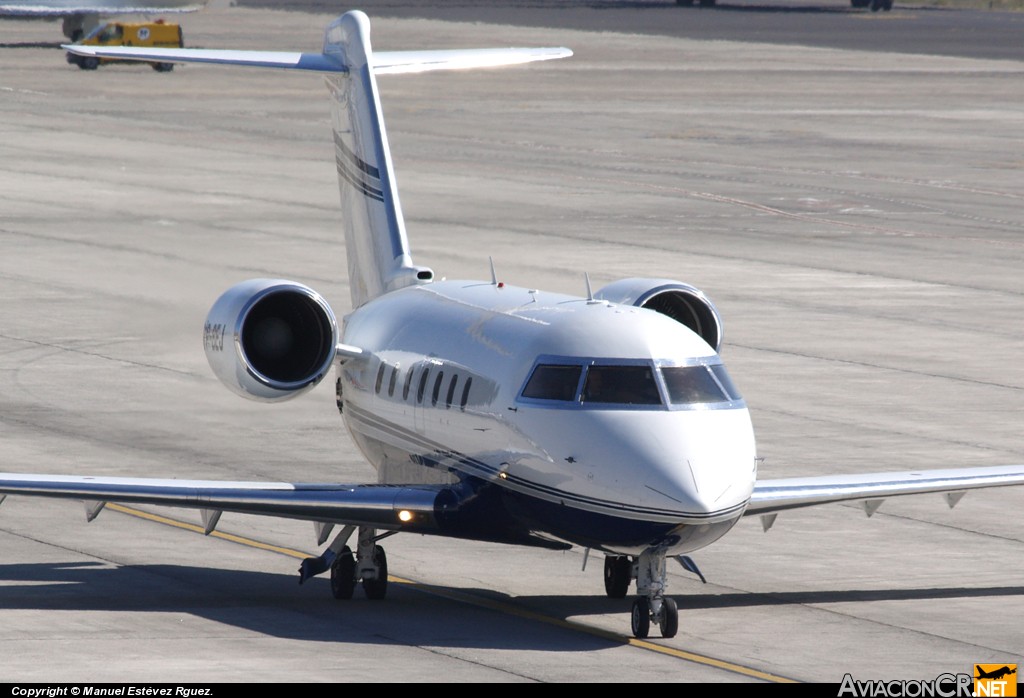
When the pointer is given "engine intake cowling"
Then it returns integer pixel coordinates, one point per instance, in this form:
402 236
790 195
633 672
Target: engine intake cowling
683 303
270 339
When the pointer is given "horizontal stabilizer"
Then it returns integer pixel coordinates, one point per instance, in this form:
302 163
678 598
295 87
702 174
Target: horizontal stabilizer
398 62
384 62
316 62
64 8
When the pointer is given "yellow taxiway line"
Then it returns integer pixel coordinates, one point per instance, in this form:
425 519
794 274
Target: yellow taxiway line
475 601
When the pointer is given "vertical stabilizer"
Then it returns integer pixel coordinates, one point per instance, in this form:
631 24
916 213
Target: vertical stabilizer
378 250
375 239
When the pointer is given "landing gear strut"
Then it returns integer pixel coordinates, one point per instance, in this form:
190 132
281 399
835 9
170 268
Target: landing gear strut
372 565
652 604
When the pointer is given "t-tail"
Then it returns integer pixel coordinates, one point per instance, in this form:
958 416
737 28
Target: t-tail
378 249
379 259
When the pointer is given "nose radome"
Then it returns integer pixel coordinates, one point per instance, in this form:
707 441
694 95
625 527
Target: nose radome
717 485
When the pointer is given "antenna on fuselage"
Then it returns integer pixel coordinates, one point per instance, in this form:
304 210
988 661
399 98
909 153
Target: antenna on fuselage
494 277
590 291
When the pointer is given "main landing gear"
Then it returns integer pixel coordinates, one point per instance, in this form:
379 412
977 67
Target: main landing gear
651 606
368 564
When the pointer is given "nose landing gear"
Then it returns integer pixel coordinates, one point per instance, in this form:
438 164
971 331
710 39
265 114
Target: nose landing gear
652 606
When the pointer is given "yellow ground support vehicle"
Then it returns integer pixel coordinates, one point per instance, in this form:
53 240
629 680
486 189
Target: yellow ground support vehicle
158 33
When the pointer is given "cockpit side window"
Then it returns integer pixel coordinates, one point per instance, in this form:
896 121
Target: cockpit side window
725 381
689 385
623 385
553 382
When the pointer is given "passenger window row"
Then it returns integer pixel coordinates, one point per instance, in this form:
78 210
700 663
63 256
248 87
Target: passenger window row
424 381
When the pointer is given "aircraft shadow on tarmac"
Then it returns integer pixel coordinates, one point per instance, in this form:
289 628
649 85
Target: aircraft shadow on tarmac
274 605
271 604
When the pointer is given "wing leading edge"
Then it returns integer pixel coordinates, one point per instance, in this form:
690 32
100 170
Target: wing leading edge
412 508
773 496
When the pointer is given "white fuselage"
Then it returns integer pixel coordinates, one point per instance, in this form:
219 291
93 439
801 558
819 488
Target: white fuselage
449 394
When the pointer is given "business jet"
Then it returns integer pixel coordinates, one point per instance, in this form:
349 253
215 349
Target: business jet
490 412
79 17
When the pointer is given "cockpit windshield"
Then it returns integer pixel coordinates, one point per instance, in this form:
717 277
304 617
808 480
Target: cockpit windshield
698 384
553 382
621 385
634 384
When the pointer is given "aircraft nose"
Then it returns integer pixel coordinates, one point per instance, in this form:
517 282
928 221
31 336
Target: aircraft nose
708 463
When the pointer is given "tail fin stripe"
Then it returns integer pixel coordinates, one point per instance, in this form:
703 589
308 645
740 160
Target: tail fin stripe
355 159
351 178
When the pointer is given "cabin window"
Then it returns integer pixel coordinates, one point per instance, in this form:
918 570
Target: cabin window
380 377
423 385
437 388
688 385
451 391
552 382
621 385
391 383
408 384
465 393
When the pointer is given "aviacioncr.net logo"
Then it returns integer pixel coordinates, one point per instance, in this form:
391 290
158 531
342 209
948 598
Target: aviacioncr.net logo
942 686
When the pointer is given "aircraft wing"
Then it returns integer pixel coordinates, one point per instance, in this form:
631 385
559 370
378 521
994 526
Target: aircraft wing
773 496
380 506
384 62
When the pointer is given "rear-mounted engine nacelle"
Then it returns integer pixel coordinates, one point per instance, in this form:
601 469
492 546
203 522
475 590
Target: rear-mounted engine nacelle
270 339
683 303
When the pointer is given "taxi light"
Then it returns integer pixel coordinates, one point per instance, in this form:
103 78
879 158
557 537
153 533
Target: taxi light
405 516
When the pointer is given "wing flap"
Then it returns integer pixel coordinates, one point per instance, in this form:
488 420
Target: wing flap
365 505
772 496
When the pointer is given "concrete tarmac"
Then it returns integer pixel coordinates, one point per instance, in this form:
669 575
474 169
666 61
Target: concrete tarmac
857 219
908 28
